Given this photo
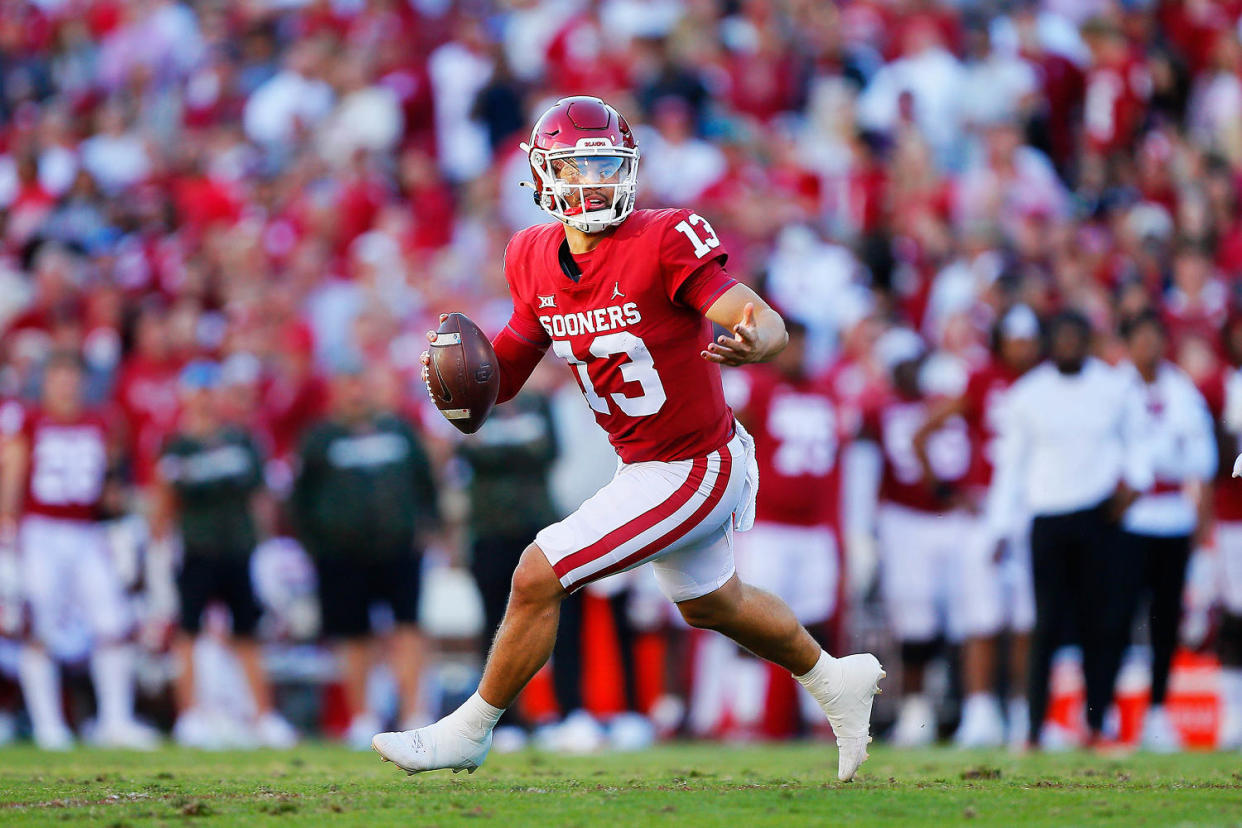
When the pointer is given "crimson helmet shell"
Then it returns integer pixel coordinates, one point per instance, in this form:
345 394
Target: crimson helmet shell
574 127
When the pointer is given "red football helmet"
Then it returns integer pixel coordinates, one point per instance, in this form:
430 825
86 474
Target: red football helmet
584 162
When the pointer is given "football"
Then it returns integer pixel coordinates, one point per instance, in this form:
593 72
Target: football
463 377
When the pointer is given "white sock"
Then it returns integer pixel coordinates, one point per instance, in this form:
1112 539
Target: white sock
40 680
822 680
475 717
112 671
1231 688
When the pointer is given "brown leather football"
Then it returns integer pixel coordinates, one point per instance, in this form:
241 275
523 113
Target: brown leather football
464 377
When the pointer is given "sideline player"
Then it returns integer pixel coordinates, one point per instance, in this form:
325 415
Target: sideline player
799 427
55 468
924 572
1000 593
627 298
1163 522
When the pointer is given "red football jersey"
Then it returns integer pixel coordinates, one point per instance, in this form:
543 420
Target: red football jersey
147 394
985 391
799 429
948 451
1226 489
631 328
68 465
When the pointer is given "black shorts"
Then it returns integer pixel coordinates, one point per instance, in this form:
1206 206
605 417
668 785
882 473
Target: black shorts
348 587
203 579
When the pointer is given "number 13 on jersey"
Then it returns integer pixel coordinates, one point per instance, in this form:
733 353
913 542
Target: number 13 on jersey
702 246
639 368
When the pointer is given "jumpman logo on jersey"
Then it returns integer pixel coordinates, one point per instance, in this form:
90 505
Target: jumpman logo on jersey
547 301
616 291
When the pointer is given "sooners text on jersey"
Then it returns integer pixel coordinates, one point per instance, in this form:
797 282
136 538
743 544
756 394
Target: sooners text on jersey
631 328
68 465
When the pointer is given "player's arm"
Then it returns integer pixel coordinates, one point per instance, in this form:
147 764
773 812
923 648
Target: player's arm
1005 497
163 500
940 414
14 462
758 331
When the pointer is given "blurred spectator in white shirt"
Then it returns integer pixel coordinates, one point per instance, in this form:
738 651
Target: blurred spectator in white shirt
293 100
367 117
1009 181
115 158
932 77
676 166
58 157
820 284
459 69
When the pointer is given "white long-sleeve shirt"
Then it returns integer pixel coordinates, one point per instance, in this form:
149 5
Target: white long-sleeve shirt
1065 441
1182 448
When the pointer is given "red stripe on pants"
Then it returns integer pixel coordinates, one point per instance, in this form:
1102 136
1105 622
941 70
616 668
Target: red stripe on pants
676 533
628 531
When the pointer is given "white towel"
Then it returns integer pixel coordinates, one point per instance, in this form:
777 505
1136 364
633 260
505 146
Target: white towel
744 515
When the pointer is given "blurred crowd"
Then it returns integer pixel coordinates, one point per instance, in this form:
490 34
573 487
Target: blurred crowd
226 225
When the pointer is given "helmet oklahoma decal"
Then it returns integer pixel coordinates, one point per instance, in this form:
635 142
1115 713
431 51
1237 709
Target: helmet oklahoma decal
584 163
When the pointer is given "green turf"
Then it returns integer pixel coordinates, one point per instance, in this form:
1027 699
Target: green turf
681 785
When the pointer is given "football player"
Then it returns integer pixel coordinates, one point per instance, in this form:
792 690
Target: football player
1162 523
1001 594
628 298
1223 391
56 464
919 527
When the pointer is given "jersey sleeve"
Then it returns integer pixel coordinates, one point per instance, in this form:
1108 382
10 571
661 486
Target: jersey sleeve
692 261
522 342
523 324
973 396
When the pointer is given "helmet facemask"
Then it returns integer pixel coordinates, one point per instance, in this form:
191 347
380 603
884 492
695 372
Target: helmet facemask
590 188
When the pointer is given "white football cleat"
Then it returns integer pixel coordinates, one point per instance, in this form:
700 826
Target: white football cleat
273 730
982 725
577 733
129 734
916 723
849 711
435 747
509 739
1054 738
1159 735
361 728
1230 730
1017 723
193 729
53 738
631 731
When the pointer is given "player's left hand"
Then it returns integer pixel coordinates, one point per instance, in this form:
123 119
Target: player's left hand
743 347
425 359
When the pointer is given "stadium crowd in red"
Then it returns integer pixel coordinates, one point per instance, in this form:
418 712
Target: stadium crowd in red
283 185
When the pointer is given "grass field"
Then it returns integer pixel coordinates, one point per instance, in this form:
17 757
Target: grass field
682 785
